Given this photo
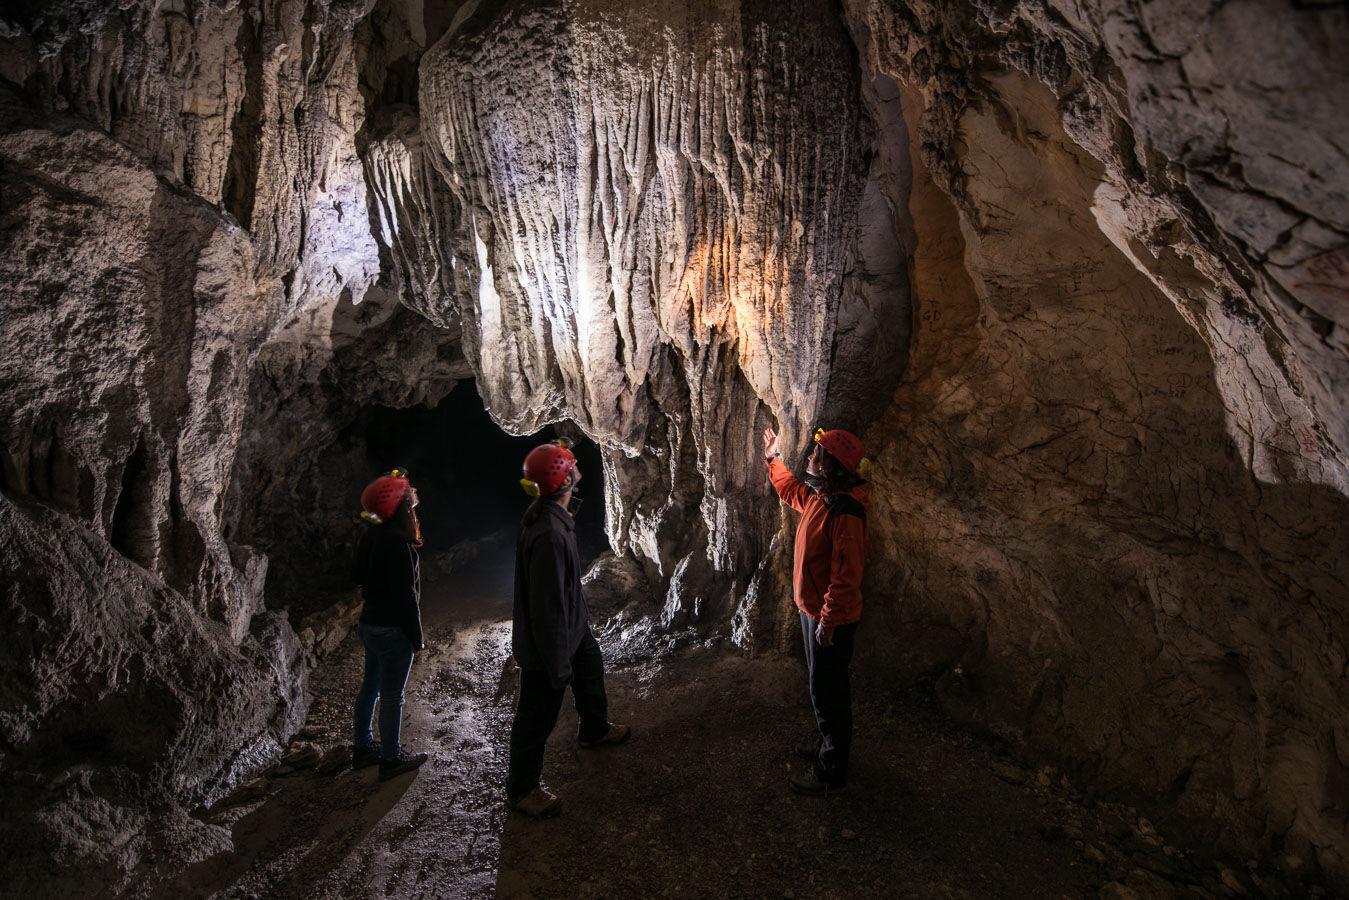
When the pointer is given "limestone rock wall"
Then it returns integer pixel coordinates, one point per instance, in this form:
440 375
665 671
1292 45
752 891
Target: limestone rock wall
1112 498
122 707
130 319
252 107
181 186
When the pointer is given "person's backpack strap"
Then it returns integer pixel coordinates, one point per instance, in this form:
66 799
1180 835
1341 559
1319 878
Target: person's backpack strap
846 505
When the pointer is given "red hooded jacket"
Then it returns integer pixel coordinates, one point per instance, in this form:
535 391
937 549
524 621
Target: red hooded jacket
830 551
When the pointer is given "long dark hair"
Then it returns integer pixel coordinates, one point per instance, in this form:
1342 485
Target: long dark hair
834 477
405 522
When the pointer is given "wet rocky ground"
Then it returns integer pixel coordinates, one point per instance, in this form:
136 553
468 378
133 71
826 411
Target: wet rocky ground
695 806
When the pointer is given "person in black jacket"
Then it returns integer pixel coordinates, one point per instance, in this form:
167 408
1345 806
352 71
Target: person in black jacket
551 636
388 570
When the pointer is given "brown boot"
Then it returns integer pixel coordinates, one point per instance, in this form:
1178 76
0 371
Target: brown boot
616 734
813 786
809 750
539 803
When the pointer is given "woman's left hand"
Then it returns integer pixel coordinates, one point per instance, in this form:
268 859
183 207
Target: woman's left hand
824 636
770 442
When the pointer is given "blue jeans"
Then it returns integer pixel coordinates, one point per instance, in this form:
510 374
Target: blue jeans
388 660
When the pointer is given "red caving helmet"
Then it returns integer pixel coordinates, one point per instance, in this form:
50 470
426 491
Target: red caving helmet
381 497
547 467
844 447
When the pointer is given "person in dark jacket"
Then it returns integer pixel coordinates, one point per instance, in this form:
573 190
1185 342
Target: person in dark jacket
829 554
551 636
388 570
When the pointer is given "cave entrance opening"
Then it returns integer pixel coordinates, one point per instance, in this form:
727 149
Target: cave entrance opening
467 473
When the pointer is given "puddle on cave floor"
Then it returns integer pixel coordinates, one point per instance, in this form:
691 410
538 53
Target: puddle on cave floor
695 805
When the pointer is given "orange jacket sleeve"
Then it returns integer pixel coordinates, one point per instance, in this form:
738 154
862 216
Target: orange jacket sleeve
793 493
843 598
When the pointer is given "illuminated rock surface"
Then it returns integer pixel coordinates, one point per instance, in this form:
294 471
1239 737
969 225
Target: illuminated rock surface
1076 270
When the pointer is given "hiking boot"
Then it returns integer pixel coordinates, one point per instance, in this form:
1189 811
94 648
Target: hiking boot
403 762
808 750
813 786
363 756
539 803
616 734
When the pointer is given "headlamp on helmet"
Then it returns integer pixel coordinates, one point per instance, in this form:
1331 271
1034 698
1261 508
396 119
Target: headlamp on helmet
382 497
844 447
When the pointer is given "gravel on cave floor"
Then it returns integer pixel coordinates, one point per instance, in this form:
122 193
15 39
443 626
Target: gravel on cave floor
696 805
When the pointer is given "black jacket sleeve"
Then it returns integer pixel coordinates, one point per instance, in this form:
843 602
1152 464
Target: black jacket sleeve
361 559
410 612
547 605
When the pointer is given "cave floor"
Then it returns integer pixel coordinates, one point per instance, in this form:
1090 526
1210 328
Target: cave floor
696 805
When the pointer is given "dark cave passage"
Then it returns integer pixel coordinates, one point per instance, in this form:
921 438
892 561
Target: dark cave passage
467 471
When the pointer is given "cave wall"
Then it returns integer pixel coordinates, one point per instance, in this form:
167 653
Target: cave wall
123 374
187 245
1076 268
1111 492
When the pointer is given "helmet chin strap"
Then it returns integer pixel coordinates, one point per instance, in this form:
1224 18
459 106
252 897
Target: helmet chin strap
574 488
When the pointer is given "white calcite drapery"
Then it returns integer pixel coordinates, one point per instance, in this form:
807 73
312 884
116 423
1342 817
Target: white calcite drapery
659 210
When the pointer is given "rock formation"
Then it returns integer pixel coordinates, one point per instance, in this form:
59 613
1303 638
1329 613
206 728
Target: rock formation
182 197
1077 271
644 202
1113 482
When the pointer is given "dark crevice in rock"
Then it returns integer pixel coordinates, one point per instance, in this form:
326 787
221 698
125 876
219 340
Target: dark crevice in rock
241 172
131 531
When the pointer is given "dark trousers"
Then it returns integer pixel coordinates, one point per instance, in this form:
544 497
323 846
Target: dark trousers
536 714
388 660
831 697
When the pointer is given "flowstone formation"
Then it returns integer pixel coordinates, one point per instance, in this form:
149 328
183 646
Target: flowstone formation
1076 269
663 225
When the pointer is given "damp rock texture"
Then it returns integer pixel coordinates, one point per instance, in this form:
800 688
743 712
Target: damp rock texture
658 218
1076 269
1112 509
138 634
182 198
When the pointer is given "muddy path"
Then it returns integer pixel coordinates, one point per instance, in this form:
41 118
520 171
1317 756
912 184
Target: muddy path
695 806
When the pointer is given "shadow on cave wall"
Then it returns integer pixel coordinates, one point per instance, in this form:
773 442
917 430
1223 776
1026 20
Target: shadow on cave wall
1068 537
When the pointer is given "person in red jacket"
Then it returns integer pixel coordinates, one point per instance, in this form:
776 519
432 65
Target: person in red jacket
830 552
